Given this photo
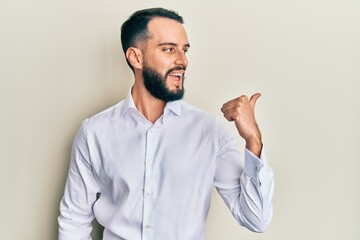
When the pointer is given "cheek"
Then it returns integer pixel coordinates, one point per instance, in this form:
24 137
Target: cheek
164 63
161 64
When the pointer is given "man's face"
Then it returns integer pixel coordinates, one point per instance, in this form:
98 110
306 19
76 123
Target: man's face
156 84
165 59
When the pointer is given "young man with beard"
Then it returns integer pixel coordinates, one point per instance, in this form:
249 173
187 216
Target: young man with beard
145 167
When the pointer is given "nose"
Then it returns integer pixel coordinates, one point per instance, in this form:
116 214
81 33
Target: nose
181 59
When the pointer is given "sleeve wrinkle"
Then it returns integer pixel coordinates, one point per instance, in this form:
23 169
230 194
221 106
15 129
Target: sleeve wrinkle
76 213
251 205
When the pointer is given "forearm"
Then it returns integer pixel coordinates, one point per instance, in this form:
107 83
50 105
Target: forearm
75 215
257 186
254 145
251 202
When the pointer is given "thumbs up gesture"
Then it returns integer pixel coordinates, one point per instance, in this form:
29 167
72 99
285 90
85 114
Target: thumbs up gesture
241 111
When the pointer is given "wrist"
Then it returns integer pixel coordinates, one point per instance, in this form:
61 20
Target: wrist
254 145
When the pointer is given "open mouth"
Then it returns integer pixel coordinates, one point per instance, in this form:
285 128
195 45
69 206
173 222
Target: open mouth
176 76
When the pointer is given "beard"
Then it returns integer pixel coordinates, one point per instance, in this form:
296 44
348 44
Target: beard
156 84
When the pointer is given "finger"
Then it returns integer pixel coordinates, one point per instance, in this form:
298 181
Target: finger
234 103
253 99
230 107
231 115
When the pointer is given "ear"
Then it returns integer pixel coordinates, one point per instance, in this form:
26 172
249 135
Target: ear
135 57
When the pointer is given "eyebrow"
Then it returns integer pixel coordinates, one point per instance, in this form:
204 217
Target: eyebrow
172 44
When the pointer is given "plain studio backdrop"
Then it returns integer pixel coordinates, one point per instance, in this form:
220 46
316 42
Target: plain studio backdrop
61 62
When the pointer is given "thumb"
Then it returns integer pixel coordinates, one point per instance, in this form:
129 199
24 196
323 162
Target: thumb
253 99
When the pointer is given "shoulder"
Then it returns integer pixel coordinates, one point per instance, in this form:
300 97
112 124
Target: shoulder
189 108
104 117
206 119
198 114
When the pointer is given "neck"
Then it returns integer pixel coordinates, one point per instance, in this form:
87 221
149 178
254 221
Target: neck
150 107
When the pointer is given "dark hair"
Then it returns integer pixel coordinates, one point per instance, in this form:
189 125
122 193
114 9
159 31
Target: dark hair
135 29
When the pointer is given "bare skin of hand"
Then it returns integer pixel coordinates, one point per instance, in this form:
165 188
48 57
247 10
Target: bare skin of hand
241 111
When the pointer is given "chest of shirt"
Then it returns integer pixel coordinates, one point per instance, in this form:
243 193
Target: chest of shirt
127 155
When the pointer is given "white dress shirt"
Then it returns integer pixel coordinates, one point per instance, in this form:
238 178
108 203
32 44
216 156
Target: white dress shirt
145 181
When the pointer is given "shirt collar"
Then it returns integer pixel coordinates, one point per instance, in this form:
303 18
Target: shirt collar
173 106
128 103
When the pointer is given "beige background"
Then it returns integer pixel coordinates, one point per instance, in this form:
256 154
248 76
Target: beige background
61 62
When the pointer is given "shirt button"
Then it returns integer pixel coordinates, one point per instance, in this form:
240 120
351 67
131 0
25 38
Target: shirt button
149 194
148 226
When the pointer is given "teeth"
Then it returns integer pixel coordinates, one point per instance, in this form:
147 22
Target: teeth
176 74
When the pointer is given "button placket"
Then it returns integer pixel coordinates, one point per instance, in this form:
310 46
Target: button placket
149 158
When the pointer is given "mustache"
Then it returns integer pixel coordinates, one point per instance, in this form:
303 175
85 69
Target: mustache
175 68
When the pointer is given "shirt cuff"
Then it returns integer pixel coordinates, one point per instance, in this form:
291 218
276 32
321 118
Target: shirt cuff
253 164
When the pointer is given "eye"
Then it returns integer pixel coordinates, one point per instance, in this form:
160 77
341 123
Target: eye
169 50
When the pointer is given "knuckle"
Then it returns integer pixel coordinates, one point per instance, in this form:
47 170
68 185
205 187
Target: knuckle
243 98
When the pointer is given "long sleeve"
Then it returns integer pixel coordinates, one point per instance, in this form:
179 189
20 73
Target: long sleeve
245 184
80 194
139 179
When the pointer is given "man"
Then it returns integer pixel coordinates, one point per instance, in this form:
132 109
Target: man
146 166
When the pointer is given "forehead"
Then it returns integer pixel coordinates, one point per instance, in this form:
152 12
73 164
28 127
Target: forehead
167 30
